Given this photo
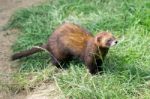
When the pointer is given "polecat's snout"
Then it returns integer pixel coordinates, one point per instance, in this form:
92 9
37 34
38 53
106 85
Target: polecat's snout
113 43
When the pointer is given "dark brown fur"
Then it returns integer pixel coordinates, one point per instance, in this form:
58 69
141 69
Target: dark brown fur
70 40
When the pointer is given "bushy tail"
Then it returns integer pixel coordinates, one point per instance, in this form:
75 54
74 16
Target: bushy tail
28 52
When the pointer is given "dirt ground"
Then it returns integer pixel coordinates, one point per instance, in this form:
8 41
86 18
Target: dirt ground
7 38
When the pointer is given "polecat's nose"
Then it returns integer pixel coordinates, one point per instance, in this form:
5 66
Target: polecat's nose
116 42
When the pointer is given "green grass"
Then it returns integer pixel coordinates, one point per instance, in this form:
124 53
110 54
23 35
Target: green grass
127 65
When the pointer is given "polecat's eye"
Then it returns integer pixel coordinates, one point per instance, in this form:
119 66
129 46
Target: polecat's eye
109 40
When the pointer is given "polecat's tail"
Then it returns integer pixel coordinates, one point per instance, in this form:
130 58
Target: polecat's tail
28 52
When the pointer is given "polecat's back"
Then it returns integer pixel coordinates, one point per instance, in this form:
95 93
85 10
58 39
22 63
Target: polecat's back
70 37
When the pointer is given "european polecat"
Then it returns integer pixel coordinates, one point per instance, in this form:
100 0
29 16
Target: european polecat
70 40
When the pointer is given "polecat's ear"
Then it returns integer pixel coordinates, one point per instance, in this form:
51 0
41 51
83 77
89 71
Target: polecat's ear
98 40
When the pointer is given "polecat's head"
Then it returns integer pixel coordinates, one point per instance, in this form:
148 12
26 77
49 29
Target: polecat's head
105 40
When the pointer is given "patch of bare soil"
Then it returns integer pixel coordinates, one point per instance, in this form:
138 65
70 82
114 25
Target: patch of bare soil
45 91
7 38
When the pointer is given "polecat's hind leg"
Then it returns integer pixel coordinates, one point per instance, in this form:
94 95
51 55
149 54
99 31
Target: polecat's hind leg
59 56
57 62
61 62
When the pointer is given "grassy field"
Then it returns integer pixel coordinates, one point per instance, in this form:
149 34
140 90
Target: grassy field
127 65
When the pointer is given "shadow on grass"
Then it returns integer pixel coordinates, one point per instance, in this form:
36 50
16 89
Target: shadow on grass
114 64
